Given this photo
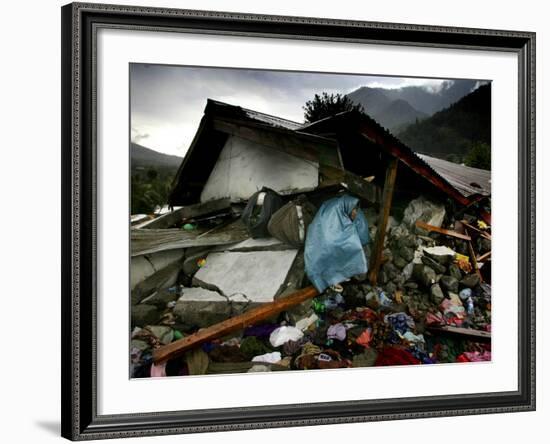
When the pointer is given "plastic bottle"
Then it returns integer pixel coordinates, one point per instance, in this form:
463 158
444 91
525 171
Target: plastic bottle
470 306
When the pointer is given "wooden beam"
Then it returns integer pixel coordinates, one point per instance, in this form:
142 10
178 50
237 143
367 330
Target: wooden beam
428 227
484 256
206 208
470 333
240 322
387 195
474 259
352 182
151 241
407 156
477 230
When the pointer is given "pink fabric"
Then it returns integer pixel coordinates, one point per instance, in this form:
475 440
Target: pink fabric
434 319
477 356
158 371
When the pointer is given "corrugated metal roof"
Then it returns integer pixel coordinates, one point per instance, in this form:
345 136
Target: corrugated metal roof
464 184
467 180
258 116
273 120
454 179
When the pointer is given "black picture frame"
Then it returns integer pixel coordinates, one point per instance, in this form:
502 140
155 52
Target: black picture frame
79 386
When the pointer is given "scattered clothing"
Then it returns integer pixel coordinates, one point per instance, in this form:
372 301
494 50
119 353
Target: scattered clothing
285 334
268 357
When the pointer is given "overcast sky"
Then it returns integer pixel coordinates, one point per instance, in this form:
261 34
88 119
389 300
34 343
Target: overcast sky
167 102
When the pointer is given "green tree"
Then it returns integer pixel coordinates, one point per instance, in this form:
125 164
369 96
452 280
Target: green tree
479 156
326 105
150 188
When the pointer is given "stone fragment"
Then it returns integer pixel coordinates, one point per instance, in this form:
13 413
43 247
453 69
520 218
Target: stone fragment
470 280
163 333
436 294
139 344
201 307
438 268
454 271
162 297
449 283
399 262
441 254
406 253
425 275
144 314
425 210
390 288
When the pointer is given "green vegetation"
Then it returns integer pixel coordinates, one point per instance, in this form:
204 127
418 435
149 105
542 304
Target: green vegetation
326 105
152 175
150 188
453 133
479 156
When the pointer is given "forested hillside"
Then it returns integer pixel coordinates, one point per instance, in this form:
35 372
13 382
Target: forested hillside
460 133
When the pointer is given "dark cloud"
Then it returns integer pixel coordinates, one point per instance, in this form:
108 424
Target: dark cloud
167 102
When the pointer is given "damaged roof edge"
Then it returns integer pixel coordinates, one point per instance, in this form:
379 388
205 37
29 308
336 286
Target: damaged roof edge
451 183
269 119
376 133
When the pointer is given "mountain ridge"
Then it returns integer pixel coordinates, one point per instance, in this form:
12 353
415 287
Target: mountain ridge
454 131
146 157
422 102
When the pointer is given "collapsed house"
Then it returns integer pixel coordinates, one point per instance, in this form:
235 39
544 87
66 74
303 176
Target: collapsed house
199 267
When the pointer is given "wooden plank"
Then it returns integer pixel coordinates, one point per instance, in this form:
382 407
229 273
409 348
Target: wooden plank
387 195
470 333
484 256
151 241
163 221
354 183
240 322
428 227
391 146
474 259
204 209
477 230
188 212
359 186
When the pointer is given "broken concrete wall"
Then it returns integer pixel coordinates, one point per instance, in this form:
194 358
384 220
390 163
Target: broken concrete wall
199 307
144 266
258 274
244 167
425 210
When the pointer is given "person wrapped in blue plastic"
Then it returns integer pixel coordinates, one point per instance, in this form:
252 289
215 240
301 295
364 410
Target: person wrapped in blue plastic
334 243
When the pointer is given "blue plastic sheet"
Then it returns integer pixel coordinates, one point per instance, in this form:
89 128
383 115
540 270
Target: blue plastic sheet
334 243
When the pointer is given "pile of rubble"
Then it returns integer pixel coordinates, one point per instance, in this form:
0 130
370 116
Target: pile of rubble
431 303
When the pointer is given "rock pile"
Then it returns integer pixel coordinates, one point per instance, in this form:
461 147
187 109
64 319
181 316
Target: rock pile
431 304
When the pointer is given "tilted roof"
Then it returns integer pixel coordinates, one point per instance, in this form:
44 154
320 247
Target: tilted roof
467 180
463 184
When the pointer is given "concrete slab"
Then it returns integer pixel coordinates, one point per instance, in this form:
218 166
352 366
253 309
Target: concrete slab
244 167
257 275
267 243
201 307
201 294
141 267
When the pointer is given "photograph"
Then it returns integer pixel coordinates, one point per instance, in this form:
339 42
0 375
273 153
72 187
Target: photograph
305 221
